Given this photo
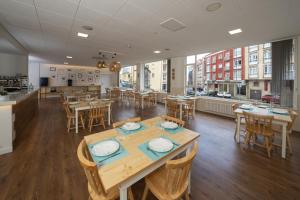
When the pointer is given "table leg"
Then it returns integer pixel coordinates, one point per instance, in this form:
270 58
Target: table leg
238 129
155 99
283 140
166 106
189 176
76 120
194 110
123 193
142 103
108 115
180 111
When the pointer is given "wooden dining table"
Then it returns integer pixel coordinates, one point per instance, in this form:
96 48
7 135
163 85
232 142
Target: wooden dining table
279 119
126 171
181 101
85 105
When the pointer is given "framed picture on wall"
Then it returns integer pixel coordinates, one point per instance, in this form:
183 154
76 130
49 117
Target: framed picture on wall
52 69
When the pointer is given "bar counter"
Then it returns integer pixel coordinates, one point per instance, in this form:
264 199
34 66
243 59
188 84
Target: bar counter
16 111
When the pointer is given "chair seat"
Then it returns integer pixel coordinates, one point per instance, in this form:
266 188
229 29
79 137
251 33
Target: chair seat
157 183
111 195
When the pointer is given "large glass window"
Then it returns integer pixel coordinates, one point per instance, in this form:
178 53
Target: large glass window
155 76
127 77
237 52
253 58
189 80
253 73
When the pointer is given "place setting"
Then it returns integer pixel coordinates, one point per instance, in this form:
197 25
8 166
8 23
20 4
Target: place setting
107 151
131 127
170 127
158 147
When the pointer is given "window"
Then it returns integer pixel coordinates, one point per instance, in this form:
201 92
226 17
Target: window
155 75
237 63
267 55
207 68
220 75
227 55
267 70
227 76
253 73
253 48
253 58
213 77
127 77
214 68
208 76
220 66
208 61
237 52
237 75
189 84
256 84
213 59
220 56
267 45
227 66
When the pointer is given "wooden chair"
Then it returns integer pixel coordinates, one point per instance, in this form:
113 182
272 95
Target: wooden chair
293 114
172 108
120 123
138 99
150 99
173 119
115 94
71 117
107 93
95 186
242 123
188 109
171 181
259 125
96 114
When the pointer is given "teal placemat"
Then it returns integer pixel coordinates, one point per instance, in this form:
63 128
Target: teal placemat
126 132
171 131
286 114
103 160
156 155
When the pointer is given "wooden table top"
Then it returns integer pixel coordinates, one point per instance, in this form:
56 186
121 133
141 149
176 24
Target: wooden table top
83 104
120 170
262 111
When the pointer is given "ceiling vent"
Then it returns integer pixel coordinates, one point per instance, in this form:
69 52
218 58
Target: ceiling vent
173 25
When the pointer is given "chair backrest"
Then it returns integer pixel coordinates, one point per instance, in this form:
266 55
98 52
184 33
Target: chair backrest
90 168
234 107
259 124
293 115
67 109
173 119
97 109
189 104
172 104
178 172
120 123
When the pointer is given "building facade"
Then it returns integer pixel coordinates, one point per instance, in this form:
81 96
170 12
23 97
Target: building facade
258 73
224 69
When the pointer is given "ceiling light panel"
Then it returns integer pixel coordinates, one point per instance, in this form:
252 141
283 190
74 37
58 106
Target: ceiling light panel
235 31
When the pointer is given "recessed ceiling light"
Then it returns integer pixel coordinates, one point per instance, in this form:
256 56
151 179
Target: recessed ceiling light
119 62
235 31
69 57
157 51
66 63
84 35
213 7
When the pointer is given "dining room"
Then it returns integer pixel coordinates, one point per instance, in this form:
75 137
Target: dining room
149 100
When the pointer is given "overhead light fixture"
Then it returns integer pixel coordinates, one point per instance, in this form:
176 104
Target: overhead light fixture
213 7
66 63
157 51
69 57
84 35
235 31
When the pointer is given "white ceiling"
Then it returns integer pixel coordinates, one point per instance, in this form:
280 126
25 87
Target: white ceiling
48 28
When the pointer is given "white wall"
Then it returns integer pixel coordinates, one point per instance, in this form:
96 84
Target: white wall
297 84
37 70
177 85
12 64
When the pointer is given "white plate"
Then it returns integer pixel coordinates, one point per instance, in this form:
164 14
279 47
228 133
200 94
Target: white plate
169 125
246 106
280 111
263 106
131 126
73 102
105 148
160 145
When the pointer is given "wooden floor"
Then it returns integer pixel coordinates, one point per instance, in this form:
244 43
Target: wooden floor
44 164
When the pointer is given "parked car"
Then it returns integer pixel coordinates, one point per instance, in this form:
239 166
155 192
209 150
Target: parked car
224 94
268 98
212 93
